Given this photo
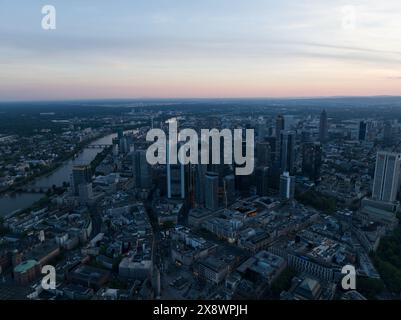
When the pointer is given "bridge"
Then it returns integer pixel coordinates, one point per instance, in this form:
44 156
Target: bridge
98 146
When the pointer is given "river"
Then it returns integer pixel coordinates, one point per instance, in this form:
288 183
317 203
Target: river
20 201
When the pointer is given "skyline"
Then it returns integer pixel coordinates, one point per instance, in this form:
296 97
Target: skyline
179 49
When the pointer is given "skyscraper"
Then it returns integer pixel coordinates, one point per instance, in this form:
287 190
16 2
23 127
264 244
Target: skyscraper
274 155
287 151
142 170
212 190
175 181
262 180
200 172
362 131
120 133
287 186
387 176
323 128
263 153
81 174
311 160
262 129
123 146
229 189
175 171
388 132
85 192
279 125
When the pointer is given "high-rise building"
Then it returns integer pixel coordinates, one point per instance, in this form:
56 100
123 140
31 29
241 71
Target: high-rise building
85 192
176 183
311 160
323 127
123 144
273 148
287 151
212 190
289 121
142 170
387 176
362 131
175 179
229 189
263 153
279 125
388 132
81 174
262 180
287 186
262 129
200 172
120 133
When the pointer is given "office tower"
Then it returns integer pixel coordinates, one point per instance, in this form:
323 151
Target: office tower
142 170
387 174
200 172
263 153
272 141
387 132
362 130
229 189
85 192
262 180
323 127
175 179
122 141
175 171
244 184
287 186
123 145
211 190
279 125
287 151
311 160
370 131
120 133
262 129
288 122
81 174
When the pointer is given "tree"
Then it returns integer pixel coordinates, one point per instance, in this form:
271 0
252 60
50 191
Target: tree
387 260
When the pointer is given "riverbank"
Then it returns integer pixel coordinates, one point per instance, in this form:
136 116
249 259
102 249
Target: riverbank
16 188
17 202
14 202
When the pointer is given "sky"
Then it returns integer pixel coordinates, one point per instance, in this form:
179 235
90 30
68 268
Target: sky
199 49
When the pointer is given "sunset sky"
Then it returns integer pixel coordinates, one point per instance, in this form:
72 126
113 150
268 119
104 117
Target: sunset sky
199 48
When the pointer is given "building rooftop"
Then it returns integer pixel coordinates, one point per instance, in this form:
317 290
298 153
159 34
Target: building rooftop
25 266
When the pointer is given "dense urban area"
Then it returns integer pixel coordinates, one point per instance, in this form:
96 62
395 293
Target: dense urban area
77 193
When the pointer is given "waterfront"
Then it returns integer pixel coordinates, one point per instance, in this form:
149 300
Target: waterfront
22 200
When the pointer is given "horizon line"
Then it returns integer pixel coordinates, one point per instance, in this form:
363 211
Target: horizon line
195 98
